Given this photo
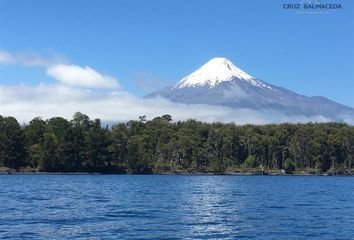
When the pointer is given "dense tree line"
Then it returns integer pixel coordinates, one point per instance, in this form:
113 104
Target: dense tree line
161 145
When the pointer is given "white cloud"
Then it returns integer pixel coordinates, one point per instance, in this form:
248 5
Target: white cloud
235 92
26 102
57 67
30 58
74 75
148 82
6 58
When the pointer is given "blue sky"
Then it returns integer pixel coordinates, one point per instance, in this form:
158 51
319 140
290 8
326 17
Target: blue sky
150 44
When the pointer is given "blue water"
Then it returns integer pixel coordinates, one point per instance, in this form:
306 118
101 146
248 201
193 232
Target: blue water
176 207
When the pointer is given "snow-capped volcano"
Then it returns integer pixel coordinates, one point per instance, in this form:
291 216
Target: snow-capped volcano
220 82
215 71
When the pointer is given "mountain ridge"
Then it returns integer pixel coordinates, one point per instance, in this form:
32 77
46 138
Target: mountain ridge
220 82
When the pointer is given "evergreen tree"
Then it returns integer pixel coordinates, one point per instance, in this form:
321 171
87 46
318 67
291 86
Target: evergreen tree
98 141
12 143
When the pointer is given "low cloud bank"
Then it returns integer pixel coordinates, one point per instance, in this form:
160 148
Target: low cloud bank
49 100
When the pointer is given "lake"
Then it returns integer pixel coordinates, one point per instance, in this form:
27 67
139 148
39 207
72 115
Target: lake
176 207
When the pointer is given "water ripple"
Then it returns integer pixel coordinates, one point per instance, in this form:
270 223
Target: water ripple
175 207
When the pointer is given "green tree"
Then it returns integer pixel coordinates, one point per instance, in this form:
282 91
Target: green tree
50 154
12 143
138 160
251 162
35 135
98 141
119 146
289 166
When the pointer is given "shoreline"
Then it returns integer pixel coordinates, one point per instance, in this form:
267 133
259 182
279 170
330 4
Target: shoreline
174 173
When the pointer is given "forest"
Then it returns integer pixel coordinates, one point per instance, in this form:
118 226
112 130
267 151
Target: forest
162 145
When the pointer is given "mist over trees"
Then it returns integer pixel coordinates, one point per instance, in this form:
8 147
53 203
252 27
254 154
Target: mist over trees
161 145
